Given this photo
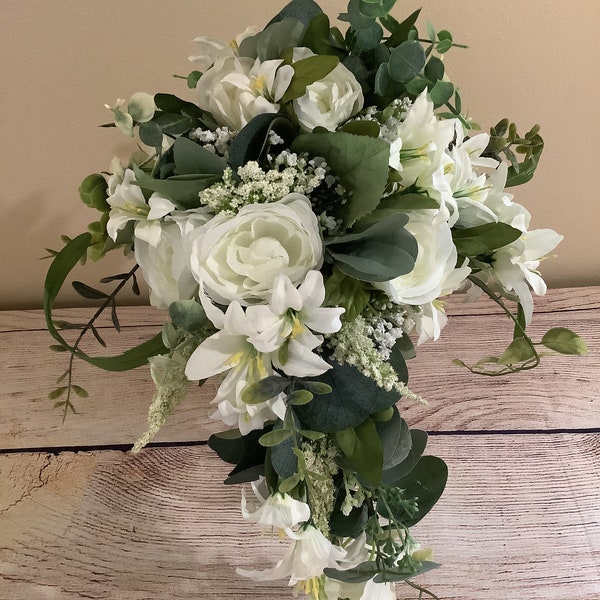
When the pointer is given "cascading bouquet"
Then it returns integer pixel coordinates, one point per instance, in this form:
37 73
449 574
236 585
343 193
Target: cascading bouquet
299 219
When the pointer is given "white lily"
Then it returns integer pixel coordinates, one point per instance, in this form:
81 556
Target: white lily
286 325
278 510
515 265
128 203
370 590
307 556
230 350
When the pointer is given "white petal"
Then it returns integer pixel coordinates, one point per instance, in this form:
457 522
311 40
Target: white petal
214 355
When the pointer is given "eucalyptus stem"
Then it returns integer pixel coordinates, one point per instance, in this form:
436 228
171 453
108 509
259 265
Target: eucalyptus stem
421 590
87 327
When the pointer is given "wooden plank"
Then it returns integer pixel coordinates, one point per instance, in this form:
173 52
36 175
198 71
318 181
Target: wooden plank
563 393
519 519
556 300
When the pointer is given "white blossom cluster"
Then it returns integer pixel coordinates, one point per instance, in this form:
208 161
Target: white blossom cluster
217 141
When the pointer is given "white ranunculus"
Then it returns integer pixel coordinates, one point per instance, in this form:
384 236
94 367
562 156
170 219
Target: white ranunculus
238 257
330 101
434 268
165 264
236 89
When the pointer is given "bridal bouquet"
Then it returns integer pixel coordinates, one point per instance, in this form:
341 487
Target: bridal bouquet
301 215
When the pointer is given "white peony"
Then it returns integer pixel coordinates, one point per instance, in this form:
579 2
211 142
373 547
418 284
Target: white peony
236 89
238 257
330 101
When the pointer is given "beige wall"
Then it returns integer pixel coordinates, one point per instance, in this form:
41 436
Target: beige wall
61 60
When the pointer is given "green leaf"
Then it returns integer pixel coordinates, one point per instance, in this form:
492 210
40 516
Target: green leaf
425 482
252 142
274 437
312 435
317 37
418 443
565 341
402 574
192 159
283 459
370 128
170 103
274 39
151 134
265 389
406 61
359 574
92 192
85 291
361 163
173 124
242 450
300 397
395 439
367 39
363 450
405 345
188 315
307 71
57 393
482 239
352 399
316 387
519 350
398 362
347 292
528 167
181 191
407 201
376 8
192 79
385 86
303 10
287 485
382 251
434 69
351 525
399 31
80 391
441 93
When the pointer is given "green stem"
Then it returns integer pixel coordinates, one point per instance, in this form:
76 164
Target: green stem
421 590
73 349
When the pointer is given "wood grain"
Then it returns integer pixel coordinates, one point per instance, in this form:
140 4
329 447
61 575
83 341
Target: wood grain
519 519
564 393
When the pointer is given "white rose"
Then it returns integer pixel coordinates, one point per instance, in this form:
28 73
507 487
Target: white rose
238 257
433 274
330 101
236 89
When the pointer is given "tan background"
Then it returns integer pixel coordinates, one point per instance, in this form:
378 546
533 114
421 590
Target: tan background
61 60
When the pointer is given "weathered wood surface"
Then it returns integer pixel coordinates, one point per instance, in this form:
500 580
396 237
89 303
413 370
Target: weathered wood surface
519 519
561 394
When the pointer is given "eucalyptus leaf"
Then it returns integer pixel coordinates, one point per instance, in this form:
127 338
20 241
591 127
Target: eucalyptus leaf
92 192
363 451
352 399
188 315
264 389
399 574
406 61
307 71
359 574
385 85
192 159
392 475
361 163
441 93
408 201
375 9
395 439
425 482
151 134
302 10
274 437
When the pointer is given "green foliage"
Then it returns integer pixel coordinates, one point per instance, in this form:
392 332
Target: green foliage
375 8
302 10
92 192
363 451
361 163
264 389
399 31
425 482
393 474
395 439
482 239
352 399
307 71
188 315
320 39
347 292
276 37
406 61
252 142
244 451
564 341
380 251
191 158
